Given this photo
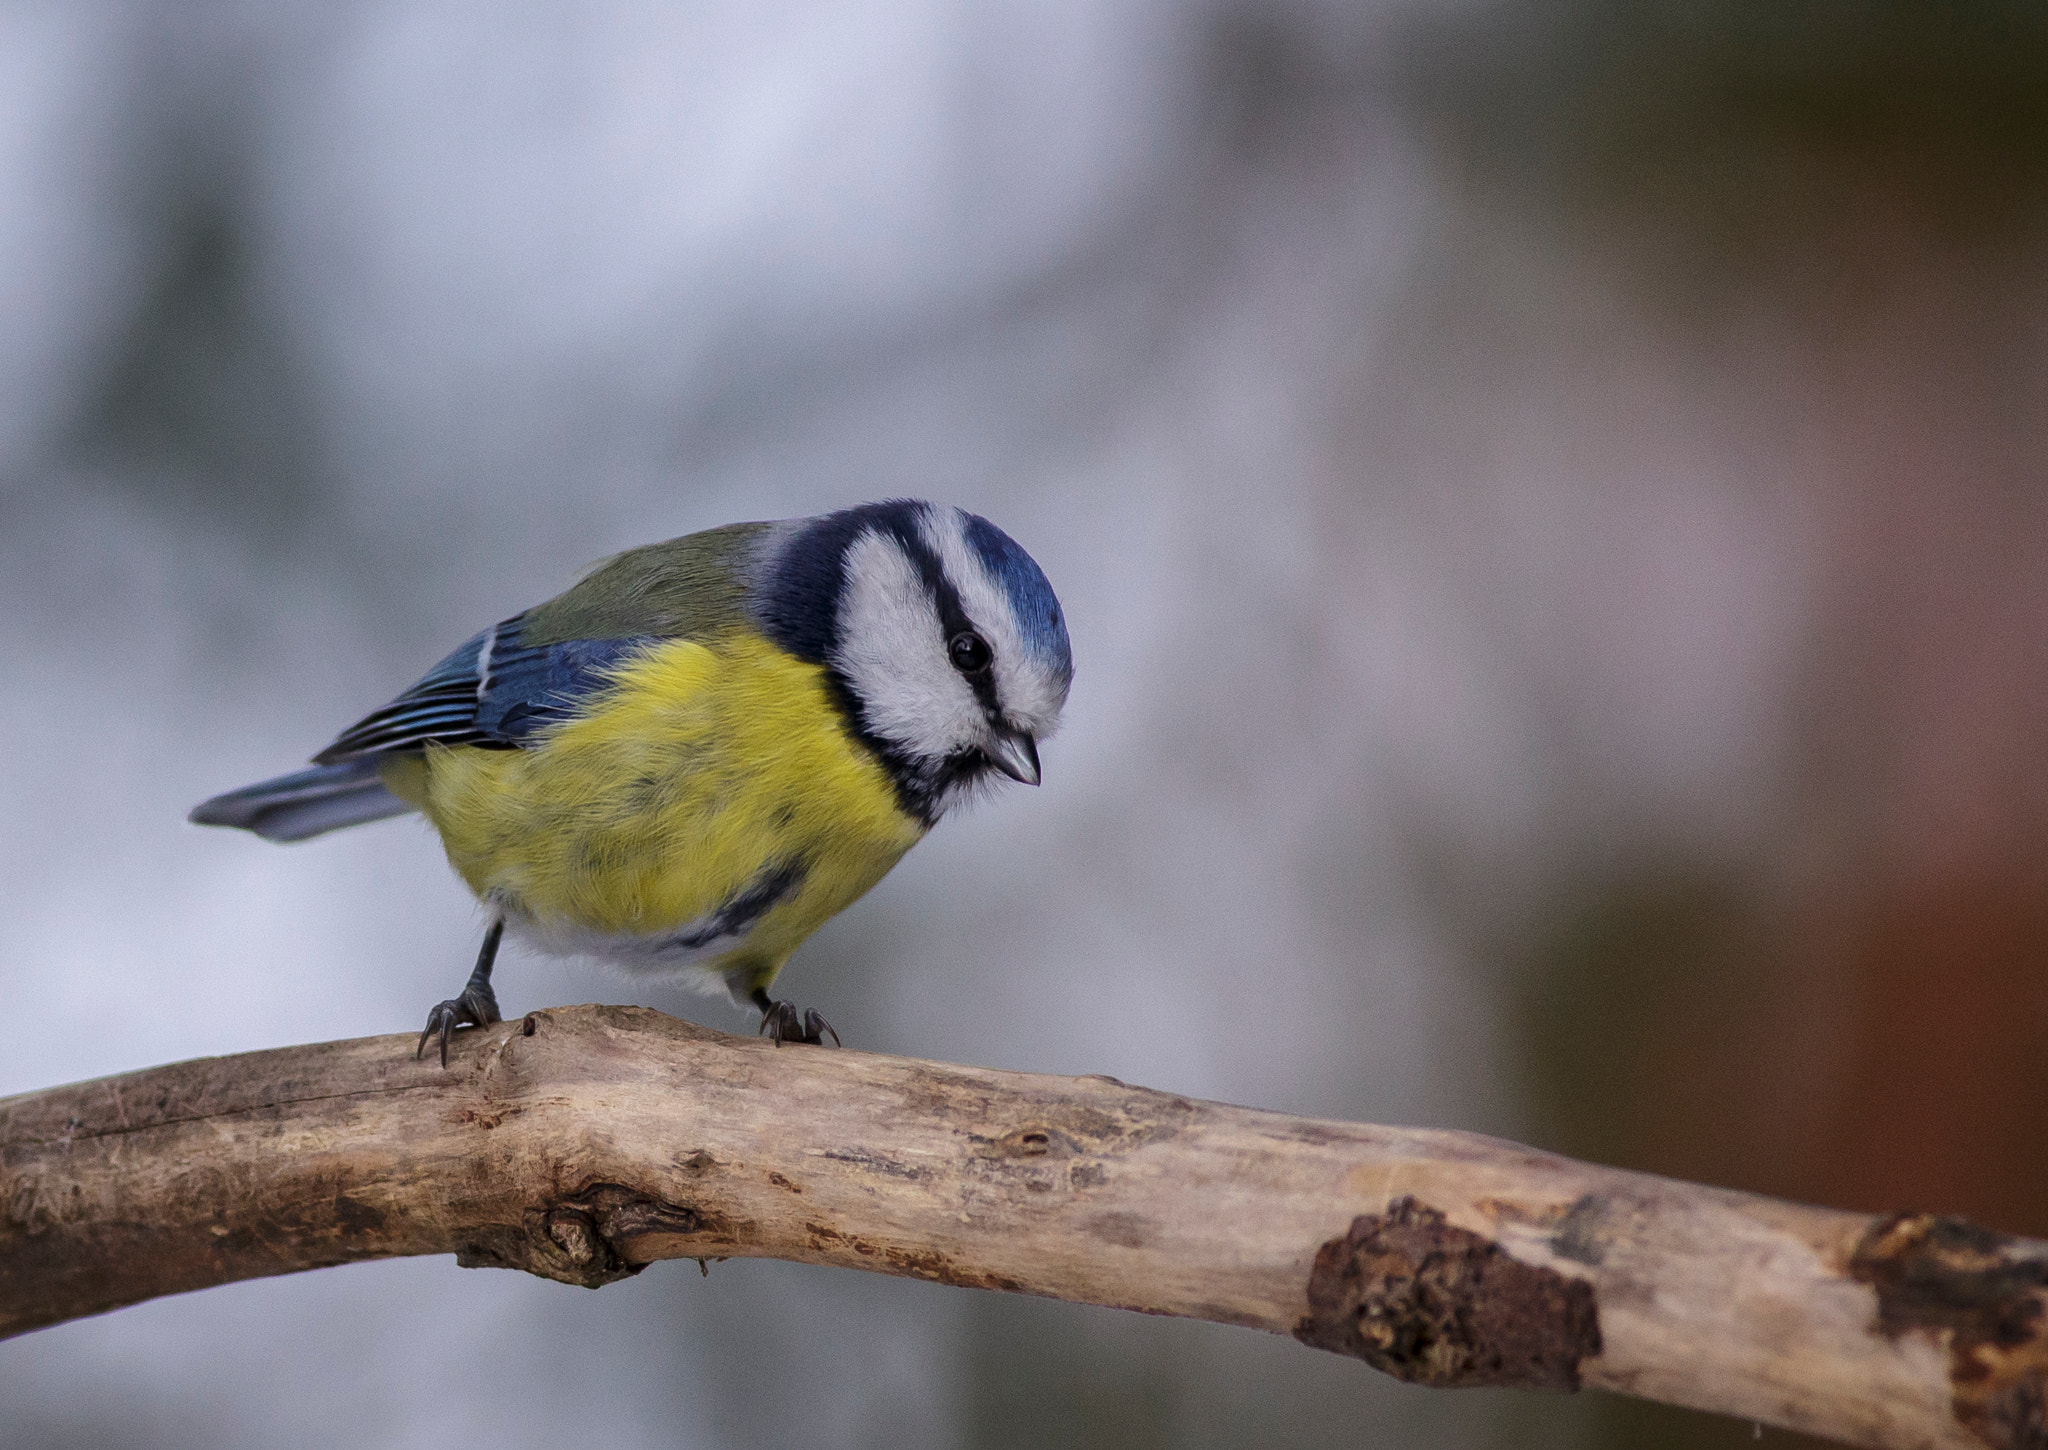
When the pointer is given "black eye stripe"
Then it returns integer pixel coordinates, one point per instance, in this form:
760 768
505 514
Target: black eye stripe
953 620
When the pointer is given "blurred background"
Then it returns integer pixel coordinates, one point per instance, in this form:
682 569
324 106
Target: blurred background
1549 500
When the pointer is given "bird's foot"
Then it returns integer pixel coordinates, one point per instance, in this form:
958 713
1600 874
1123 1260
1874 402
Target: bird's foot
476 1007
780 1024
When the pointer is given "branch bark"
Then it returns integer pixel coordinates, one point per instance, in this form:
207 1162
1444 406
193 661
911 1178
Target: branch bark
584 1143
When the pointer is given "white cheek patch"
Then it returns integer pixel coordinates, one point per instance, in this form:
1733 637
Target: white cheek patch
892 650
1031 693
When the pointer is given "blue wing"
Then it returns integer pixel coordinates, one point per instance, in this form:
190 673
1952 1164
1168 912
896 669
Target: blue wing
494 691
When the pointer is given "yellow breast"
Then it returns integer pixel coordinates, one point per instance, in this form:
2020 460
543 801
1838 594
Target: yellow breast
706 768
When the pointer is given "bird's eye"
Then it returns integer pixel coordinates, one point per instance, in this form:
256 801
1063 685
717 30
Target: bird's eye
969 652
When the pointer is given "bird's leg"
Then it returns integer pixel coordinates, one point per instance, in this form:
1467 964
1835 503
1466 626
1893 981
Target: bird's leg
780 1022
475 1006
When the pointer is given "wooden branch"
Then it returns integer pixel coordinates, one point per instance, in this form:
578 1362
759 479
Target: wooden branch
584 1143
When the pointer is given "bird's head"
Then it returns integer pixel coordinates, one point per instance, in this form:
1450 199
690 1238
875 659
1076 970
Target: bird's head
941 633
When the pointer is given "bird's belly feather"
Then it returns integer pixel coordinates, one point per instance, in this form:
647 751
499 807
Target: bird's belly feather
713 785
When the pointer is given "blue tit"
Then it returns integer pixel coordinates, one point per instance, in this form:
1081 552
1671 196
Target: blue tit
696 756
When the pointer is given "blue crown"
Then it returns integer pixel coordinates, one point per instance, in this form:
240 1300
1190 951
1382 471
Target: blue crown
1031 597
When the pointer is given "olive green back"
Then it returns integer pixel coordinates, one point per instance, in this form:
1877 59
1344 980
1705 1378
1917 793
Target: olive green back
687 588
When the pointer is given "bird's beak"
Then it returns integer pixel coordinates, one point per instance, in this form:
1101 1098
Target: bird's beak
1015 754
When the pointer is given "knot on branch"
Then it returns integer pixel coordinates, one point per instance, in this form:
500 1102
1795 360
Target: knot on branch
583 1239
1425 1301
1946 1275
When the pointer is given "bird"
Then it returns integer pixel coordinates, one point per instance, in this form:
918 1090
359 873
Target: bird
708 747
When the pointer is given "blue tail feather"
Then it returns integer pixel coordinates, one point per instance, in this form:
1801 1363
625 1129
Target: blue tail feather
305 803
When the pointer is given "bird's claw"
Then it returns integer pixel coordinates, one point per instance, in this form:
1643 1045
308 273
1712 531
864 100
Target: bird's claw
474 1008
780 1024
